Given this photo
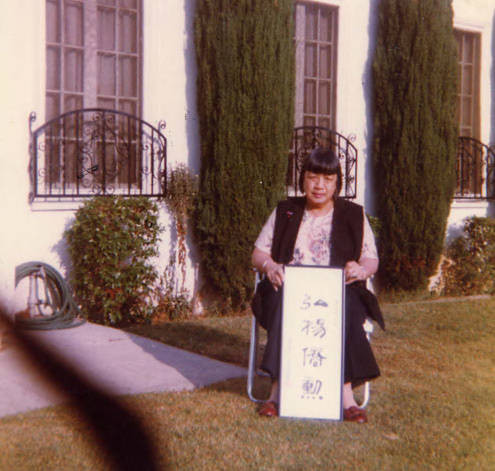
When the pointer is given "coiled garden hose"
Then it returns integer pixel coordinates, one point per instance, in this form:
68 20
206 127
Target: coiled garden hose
57 297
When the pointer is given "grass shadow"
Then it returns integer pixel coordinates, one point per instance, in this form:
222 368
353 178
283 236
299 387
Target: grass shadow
224 339
237 386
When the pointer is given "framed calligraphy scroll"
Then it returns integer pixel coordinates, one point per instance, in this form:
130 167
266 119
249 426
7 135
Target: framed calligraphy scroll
312 354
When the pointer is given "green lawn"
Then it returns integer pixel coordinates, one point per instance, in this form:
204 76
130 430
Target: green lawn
433 408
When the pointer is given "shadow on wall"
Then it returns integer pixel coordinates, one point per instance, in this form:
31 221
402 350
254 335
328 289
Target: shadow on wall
62 250
367 81
192 122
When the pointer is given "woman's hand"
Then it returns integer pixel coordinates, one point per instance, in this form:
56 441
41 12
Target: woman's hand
353 271
275 273
264 263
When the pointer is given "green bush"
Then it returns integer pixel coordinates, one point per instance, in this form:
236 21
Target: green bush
470 264
245 57
415 136
111 243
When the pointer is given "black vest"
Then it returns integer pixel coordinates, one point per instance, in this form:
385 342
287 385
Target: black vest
346 241
346 238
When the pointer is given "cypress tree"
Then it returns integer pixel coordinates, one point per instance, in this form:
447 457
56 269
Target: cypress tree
245 92
415 136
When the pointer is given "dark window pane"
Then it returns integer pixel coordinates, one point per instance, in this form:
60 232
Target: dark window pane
128 77
128 106
324 98
106 74
73 66
53 21
107 103
325 62
310 96
326 26
309 121
311 22
468 49
324 122
52 105
73 102
73 25
128 3
128 32
310 69
53 68
106 29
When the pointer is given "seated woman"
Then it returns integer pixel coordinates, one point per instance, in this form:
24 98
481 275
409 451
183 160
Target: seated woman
319 229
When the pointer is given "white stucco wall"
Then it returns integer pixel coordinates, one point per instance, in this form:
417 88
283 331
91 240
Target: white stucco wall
35 232
22 78
169 81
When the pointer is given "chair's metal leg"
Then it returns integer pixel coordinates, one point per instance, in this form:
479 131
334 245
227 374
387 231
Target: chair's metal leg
368 328
366 395
253 350
253 371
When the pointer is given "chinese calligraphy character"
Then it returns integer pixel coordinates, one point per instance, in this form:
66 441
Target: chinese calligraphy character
317 328
312 357
306 302
320 302
311 386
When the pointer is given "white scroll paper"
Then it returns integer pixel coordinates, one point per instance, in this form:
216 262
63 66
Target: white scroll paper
312 343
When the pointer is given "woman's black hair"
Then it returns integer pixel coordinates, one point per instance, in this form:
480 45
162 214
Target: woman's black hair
322 160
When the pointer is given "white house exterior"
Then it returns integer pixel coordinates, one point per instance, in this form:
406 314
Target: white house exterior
33 230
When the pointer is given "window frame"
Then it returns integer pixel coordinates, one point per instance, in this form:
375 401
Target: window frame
302 116
91 50
474 130
471 163
62 169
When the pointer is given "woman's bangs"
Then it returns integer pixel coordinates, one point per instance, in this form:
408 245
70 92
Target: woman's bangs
325 166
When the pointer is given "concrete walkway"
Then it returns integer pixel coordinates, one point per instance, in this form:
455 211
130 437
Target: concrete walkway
114 361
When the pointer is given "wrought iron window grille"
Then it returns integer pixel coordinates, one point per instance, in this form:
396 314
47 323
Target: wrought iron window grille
95 151
307 138
475 170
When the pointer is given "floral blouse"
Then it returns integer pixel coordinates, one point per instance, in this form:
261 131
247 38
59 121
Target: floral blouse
313 239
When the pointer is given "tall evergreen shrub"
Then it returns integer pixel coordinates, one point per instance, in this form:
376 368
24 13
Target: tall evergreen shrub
245 88
415 135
